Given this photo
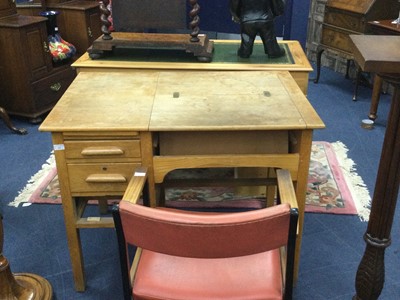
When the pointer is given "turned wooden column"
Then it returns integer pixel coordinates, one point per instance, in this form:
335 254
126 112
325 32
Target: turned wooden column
22 286
380 54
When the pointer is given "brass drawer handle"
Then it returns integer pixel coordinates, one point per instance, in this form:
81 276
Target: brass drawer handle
55 87
45 47
93 151
89 32
105 178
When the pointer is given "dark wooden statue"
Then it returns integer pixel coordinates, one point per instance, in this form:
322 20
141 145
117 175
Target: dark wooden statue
256 17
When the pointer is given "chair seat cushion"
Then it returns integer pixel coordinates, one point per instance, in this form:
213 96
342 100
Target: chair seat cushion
161 276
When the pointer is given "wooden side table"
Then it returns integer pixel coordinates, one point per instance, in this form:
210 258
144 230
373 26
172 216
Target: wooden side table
380 27
380 54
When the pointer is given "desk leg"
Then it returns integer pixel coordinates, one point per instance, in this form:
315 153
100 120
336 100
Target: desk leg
371 271
319 56
148 146
376 93
301 142
70 217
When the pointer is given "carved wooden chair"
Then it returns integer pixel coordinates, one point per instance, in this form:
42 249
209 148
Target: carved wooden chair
197 255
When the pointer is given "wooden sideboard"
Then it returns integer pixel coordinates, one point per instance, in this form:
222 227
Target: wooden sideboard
29 82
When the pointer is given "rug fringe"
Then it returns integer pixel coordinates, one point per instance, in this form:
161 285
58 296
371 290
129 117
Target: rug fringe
358 188
34 182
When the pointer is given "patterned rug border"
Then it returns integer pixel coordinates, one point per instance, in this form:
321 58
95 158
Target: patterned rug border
343 168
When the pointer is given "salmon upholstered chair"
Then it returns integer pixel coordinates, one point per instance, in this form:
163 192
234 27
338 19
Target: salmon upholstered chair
196 255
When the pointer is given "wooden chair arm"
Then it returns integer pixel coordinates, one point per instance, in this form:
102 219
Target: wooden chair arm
286 188
136 185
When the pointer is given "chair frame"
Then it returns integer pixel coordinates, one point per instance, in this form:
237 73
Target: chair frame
138 188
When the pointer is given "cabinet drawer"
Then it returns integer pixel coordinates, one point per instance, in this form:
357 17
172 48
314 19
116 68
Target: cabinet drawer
107 178
344 20
335 38
49 90
103 149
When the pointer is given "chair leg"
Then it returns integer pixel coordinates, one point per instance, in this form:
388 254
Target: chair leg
271 189
123 255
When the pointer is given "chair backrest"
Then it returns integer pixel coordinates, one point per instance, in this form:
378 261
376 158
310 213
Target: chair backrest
205 235
153 15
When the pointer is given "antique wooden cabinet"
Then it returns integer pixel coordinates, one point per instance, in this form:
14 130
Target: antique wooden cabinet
30 83
345 17
79 21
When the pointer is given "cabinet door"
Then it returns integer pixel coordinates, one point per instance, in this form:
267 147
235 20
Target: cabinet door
7 8
79 24
36 50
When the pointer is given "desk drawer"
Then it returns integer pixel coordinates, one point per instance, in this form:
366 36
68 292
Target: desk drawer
345 20
47 91
102 149
336 38
105 177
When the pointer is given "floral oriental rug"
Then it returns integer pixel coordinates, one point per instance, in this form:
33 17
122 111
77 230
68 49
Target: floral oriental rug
333 186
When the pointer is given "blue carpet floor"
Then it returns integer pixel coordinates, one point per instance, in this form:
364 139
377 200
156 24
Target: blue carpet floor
35 239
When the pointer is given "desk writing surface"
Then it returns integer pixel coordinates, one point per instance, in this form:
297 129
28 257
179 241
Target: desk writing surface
215 100
248 100
104 101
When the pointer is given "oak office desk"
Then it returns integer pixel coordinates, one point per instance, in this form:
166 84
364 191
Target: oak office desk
225 59
107 123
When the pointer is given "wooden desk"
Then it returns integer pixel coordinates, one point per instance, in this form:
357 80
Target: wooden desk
225 59
380 54
109 122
